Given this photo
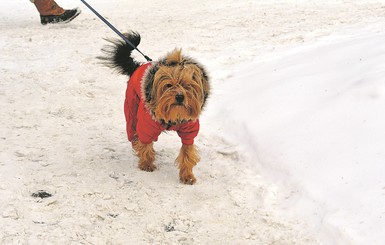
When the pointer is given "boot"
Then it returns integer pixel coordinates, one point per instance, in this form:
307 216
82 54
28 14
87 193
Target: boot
51 12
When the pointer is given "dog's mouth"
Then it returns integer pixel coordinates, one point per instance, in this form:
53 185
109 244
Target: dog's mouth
176 112
178 104
168 124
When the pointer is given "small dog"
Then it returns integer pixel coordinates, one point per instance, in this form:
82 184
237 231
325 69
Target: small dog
167 94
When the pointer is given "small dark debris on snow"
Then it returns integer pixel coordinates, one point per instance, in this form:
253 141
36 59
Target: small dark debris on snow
39 222
42 194
169 228
113 215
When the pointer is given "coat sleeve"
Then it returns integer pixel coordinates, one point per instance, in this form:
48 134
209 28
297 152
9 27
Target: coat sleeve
148 130
187 132
131 103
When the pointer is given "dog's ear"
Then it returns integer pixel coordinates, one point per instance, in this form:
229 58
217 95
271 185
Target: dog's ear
200 74
205 82
148 83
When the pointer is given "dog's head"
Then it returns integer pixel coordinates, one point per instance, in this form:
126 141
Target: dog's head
175 88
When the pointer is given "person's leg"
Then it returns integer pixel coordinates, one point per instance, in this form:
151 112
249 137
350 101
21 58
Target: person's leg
51 12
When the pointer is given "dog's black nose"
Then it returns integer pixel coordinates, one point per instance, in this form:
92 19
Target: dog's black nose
179 98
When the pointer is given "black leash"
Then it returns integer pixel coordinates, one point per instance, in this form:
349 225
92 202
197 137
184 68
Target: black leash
115 30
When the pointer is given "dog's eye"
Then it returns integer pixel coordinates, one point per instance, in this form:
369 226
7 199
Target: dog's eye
168 85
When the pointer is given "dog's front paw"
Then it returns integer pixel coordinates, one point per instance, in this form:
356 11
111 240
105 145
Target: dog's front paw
187 179
148 167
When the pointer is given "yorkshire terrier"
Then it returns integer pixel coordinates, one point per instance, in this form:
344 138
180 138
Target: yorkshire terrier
167 94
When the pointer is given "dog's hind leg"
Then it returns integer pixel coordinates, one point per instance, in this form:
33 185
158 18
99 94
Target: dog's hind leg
146 155
188 157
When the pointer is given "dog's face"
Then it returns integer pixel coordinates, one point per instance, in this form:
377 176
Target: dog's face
176 89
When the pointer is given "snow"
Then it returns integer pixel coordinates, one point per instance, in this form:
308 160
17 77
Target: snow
292 140
314 120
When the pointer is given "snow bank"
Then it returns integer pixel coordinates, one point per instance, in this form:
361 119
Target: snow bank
314 122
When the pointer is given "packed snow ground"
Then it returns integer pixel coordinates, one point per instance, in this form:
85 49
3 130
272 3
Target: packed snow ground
291 142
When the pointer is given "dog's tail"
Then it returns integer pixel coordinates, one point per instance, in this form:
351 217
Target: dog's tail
118 54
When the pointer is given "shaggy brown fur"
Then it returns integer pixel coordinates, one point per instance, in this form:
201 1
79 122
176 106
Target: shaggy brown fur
188 157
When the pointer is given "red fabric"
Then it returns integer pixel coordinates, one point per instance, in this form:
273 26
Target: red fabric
139 122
